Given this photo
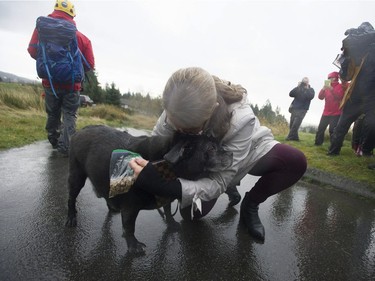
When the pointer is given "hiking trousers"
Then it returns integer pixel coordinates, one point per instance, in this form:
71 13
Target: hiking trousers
352 110
326 121
295 122
65 105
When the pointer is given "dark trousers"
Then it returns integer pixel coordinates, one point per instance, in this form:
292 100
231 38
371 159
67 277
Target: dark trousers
352 110
368 133
326 121
295 122
357 138
66 104
279 169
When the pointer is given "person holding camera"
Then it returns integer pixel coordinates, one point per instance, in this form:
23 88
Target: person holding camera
302 94
332 94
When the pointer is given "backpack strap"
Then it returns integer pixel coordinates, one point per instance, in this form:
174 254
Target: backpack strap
73 72
46 65
84 60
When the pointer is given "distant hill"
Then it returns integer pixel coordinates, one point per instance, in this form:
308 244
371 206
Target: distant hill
11 78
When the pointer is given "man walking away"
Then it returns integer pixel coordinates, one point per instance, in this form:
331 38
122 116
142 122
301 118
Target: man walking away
62 54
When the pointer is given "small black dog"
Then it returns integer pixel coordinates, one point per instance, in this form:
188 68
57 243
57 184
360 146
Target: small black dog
90 153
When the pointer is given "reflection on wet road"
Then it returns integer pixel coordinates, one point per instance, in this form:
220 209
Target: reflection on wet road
312 233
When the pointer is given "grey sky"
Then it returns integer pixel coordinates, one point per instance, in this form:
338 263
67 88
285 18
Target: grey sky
267 46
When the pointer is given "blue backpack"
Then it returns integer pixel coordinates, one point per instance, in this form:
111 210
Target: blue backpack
58 58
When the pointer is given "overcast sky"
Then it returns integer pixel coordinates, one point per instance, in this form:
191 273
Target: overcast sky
267 46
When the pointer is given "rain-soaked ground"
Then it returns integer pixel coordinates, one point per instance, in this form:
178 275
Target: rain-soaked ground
312 233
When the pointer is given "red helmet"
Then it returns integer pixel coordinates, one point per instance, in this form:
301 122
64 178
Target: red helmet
333 75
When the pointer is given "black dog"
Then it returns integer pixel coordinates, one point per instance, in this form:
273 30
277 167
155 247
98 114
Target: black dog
90 153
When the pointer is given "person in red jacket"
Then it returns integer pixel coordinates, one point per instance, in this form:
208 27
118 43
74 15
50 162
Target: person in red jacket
332 95
65 97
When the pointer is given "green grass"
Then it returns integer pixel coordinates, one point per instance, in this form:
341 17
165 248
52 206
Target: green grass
21 96
21 127
23 119
347 164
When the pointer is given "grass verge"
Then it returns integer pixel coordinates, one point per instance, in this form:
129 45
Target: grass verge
347 164
21 127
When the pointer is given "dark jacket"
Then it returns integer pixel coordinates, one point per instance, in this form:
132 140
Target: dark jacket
364 87
359 45
302 97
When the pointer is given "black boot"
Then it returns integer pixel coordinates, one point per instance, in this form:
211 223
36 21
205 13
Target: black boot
233 195
53 139
249 216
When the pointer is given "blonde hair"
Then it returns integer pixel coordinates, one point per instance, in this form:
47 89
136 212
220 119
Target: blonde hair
230 92
193 96
190 97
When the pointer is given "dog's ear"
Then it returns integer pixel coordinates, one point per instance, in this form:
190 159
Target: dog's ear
175 154
176 151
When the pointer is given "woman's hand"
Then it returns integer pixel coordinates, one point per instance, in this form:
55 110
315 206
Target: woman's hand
137 164
151 181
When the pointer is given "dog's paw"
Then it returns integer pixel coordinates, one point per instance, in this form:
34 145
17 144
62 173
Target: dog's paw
137 248
234 198
71 222
134 246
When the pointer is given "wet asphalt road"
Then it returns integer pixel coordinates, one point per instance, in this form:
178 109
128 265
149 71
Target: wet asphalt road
312 233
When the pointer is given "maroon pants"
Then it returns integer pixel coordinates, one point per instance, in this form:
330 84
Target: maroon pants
279 169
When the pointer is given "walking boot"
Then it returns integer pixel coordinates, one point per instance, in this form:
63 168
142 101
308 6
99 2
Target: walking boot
53 139
249 216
